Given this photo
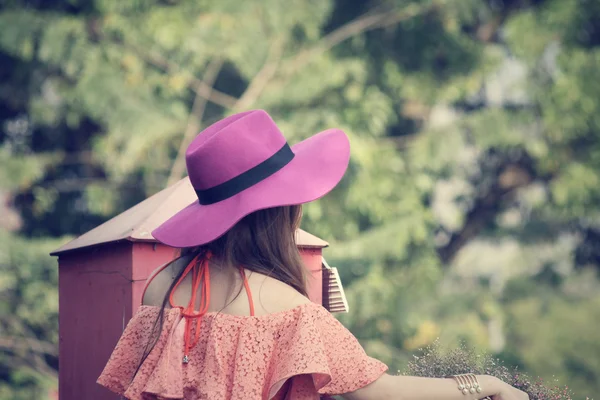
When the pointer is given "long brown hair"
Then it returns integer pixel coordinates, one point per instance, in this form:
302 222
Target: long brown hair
263 242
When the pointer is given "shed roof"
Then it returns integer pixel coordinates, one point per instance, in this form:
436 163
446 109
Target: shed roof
137 223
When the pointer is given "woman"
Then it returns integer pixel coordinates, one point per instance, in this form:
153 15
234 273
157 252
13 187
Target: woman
247 330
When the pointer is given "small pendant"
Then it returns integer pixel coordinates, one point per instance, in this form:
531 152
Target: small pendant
186 359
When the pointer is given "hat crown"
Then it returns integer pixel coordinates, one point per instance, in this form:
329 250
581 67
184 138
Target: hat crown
231 147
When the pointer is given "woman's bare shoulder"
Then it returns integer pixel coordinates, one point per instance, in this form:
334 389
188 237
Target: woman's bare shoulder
271 295
160 280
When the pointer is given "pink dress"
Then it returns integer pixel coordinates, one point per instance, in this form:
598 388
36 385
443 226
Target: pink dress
298 354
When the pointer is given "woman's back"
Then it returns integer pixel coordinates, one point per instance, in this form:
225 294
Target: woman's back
227 291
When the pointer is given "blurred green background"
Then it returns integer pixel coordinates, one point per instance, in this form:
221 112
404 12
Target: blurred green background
470 211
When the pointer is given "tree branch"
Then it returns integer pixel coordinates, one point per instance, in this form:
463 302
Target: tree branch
262 78
365 23
200 87
408 12
194 120
509 177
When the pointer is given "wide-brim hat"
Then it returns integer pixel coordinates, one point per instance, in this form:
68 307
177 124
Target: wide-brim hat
243 164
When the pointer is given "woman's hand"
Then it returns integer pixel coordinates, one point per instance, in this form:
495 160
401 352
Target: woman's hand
501 390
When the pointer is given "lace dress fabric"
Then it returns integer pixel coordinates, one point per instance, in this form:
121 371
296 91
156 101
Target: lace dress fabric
297 354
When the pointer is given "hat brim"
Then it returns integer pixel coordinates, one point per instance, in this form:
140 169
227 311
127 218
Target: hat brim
318 165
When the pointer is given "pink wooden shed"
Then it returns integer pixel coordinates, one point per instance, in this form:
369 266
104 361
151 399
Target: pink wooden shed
102 275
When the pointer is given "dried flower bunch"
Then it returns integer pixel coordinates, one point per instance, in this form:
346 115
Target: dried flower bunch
432 362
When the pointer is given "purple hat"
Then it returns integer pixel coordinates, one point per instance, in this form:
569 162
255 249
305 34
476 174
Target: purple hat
242 164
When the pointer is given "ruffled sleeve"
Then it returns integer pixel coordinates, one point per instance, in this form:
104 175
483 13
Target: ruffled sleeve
118 374
319 353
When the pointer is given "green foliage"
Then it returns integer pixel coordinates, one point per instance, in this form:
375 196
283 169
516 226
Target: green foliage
470 207
549 351
28 317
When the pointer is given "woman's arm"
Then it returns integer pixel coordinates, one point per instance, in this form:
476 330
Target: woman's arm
390 387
